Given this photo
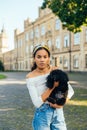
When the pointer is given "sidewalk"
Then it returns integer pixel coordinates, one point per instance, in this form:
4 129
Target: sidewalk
78 79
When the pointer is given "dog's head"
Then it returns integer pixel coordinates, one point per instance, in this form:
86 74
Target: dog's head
57 75
59 94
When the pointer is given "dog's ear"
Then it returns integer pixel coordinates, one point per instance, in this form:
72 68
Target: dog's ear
50 81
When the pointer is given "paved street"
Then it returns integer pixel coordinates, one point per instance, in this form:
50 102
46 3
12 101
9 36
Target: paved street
15 105
16 109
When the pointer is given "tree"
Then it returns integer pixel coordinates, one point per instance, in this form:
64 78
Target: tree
1 66
72 13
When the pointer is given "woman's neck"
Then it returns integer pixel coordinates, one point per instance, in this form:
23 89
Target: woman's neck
42 71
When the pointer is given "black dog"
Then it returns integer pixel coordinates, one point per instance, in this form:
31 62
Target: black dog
59 94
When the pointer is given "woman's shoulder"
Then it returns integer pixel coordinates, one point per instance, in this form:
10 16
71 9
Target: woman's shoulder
34 74
54 68
30 74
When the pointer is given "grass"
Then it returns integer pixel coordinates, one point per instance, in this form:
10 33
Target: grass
2 76
20 114
76 110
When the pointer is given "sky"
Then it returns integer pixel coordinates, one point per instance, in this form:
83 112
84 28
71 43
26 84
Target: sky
14 12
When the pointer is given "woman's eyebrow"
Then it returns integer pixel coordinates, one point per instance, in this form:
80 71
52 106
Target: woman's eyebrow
41 55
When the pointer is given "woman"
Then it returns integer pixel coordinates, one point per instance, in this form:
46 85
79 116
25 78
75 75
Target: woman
47 116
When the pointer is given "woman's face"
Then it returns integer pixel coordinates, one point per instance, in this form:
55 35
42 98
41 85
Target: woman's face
42 58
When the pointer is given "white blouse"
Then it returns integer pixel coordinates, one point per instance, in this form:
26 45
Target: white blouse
37 85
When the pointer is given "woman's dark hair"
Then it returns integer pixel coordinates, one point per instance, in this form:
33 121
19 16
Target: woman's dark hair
34 66
34 53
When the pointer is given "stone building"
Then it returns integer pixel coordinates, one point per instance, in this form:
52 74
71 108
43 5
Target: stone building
3 43
68 50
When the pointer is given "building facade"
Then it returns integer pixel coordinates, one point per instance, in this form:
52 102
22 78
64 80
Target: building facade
3 44
68 50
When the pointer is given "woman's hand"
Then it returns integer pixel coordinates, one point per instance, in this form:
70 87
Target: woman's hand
55 105
56 84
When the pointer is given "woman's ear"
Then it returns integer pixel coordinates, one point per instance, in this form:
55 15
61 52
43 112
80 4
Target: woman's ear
49 61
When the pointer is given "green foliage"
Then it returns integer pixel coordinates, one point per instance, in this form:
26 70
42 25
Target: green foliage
2 76
45 3
72 13
1 66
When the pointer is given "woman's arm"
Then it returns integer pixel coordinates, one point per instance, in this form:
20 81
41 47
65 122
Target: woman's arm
70 94
47 93
55 105
36 99
33 92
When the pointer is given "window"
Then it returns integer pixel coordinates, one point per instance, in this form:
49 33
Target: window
55 61
26 64
42 30
76 61
16 44
31 48
58 43
76 38
26 37
31 34
36 32
66 41
27 49
19 42
49 43
18 66
86 60
60 60
65 63
57 24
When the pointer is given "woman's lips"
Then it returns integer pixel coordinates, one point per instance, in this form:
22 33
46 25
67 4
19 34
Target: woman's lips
42 64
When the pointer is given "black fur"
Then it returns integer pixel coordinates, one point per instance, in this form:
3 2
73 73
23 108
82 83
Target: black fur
59 94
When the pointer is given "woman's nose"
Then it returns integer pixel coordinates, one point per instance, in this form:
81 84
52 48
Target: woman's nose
42 59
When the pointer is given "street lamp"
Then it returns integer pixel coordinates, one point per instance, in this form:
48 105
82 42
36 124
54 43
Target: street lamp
17 55
70 51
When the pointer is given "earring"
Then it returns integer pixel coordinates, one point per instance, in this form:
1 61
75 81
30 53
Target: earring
48 66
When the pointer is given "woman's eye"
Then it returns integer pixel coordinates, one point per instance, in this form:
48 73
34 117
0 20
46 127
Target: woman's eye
45 56
39 57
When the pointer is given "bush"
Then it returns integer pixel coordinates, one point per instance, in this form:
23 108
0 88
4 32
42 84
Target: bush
1 66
